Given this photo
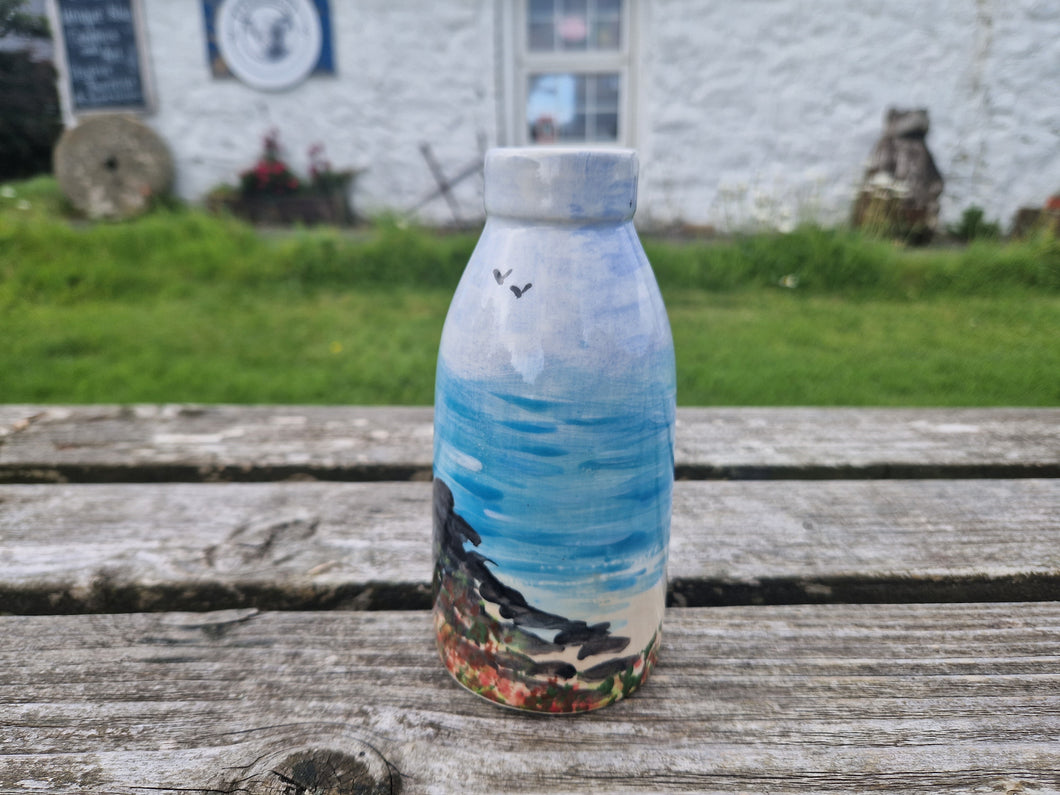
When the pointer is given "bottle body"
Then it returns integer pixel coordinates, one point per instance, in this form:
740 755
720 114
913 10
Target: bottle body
553 448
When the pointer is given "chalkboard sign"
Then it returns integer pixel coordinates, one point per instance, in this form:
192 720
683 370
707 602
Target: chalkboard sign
102 54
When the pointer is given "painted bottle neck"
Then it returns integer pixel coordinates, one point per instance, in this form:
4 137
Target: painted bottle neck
561 185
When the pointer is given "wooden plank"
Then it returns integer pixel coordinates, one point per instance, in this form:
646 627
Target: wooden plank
255 443
213 443
125 547
915 698
868 443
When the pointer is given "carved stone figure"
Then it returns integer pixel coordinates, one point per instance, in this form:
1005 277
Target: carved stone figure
901 189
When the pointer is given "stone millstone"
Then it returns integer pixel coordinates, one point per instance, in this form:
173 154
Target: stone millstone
112 166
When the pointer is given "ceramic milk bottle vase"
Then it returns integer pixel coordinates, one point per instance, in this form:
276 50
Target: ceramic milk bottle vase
553 440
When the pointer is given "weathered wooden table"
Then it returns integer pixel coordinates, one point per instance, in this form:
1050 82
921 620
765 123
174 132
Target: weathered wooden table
235 599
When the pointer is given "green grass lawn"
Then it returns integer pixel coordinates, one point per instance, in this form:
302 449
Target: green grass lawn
180 306
376 346
761 348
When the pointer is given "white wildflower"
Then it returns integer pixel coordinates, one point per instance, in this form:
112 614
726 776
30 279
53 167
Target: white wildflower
791 281
8 192
785 223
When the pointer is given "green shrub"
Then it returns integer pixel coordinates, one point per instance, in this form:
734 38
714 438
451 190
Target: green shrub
810 257
170 250
387 256
974 226
30 121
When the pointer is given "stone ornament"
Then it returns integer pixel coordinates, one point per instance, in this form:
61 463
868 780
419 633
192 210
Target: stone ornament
902 185
112 166
553 444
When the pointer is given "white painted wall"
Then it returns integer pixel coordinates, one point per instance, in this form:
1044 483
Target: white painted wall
776 104
744 107
406 72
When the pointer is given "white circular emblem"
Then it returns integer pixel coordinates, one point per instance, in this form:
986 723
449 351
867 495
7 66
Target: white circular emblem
269 44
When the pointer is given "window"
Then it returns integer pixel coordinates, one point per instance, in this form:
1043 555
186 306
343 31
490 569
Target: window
570 79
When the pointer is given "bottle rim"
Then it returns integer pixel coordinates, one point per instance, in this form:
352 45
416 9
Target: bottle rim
561 183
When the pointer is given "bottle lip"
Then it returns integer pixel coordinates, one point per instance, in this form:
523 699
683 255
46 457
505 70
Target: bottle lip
561 183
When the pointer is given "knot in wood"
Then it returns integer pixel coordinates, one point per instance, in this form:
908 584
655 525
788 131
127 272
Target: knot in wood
326 772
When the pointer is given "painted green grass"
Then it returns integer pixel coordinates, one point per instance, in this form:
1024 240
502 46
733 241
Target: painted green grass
181 306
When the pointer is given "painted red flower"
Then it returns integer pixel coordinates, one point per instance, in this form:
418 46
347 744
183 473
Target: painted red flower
506 689
487 677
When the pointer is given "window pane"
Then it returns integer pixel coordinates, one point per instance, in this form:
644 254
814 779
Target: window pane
607 92
541 36
606 35
607 25
541 25
572 107
573 25
575 131
605 127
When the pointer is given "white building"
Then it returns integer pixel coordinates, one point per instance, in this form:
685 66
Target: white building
743 111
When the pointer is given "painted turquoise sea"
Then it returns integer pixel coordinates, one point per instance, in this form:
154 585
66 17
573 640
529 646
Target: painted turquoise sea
570 495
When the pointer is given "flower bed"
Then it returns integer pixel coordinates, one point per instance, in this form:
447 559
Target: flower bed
270 193
289 210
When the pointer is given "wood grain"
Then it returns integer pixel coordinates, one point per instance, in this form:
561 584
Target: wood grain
45 444
910 698
166 510
133 547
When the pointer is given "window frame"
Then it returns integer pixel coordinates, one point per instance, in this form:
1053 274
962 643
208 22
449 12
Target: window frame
520 62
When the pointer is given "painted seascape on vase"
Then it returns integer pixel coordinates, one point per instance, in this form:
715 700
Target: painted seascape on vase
553 448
